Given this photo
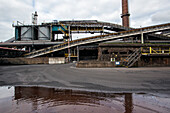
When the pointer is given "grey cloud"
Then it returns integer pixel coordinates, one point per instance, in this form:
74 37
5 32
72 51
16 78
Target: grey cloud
81 9
6 31
143 12
163 16
13 11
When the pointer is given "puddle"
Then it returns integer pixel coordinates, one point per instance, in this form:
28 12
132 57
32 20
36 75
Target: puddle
23 99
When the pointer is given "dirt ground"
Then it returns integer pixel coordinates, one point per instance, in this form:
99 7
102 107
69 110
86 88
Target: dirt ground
147 80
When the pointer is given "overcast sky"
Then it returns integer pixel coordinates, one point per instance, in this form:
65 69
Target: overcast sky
143 12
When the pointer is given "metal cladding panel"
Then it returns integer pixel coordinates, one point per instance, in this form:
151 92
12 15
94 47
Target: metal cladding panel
16 33
26 33
44 33
58 28
55 28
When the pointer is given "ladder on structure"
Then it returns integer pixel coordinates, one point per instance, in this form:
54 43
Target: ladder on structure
132 58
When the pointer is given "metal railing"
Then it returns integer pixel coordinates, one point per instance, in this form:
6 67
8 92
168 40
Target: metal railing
155 50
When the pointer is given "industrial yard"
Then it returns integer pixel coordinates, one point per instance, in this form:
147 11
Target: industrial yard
85 65
141 46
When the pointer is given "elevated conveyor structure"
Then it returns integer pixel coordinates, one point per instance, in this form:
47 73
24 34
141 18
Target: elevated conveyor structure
98 39
95 23
99 26
47 31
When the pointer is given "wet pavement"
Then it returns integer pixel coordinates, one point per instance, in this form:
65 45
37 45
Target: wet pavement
102 79
89 90
26 99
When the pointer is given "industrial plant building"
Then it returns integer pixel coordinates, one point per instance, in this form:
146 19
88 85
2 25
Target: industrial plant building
113 45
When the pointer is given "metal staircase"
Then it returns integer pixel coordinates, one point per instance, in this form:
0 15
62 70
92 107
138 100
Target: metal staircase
132 58
98 39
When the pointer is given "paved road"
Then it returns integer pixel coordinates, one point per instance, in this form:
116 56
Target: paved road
154 80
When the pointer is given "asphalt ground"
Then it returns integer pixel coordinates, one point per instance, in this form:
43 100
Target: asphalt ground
144 80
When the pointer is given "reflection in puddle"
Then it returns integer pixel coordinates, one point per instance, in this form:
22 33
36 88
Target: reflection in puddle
39 99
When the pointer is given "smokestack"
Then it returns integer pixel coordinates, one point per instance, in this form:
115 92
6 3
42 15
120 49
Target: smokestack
125 13
34 18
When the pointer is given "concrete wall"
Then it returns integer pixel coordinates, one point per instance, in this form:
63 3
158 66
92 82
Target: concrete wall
153 61
25 61
145 61
106 53
60 60
95 64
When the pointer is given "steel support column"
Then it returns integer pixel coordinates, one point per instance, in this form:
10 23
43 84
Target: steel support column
69 46
78 54
142 38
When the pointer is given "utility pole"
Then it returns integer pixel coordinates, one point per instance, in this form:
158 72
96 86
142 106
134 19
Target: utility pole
77 53
142 39
69 45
